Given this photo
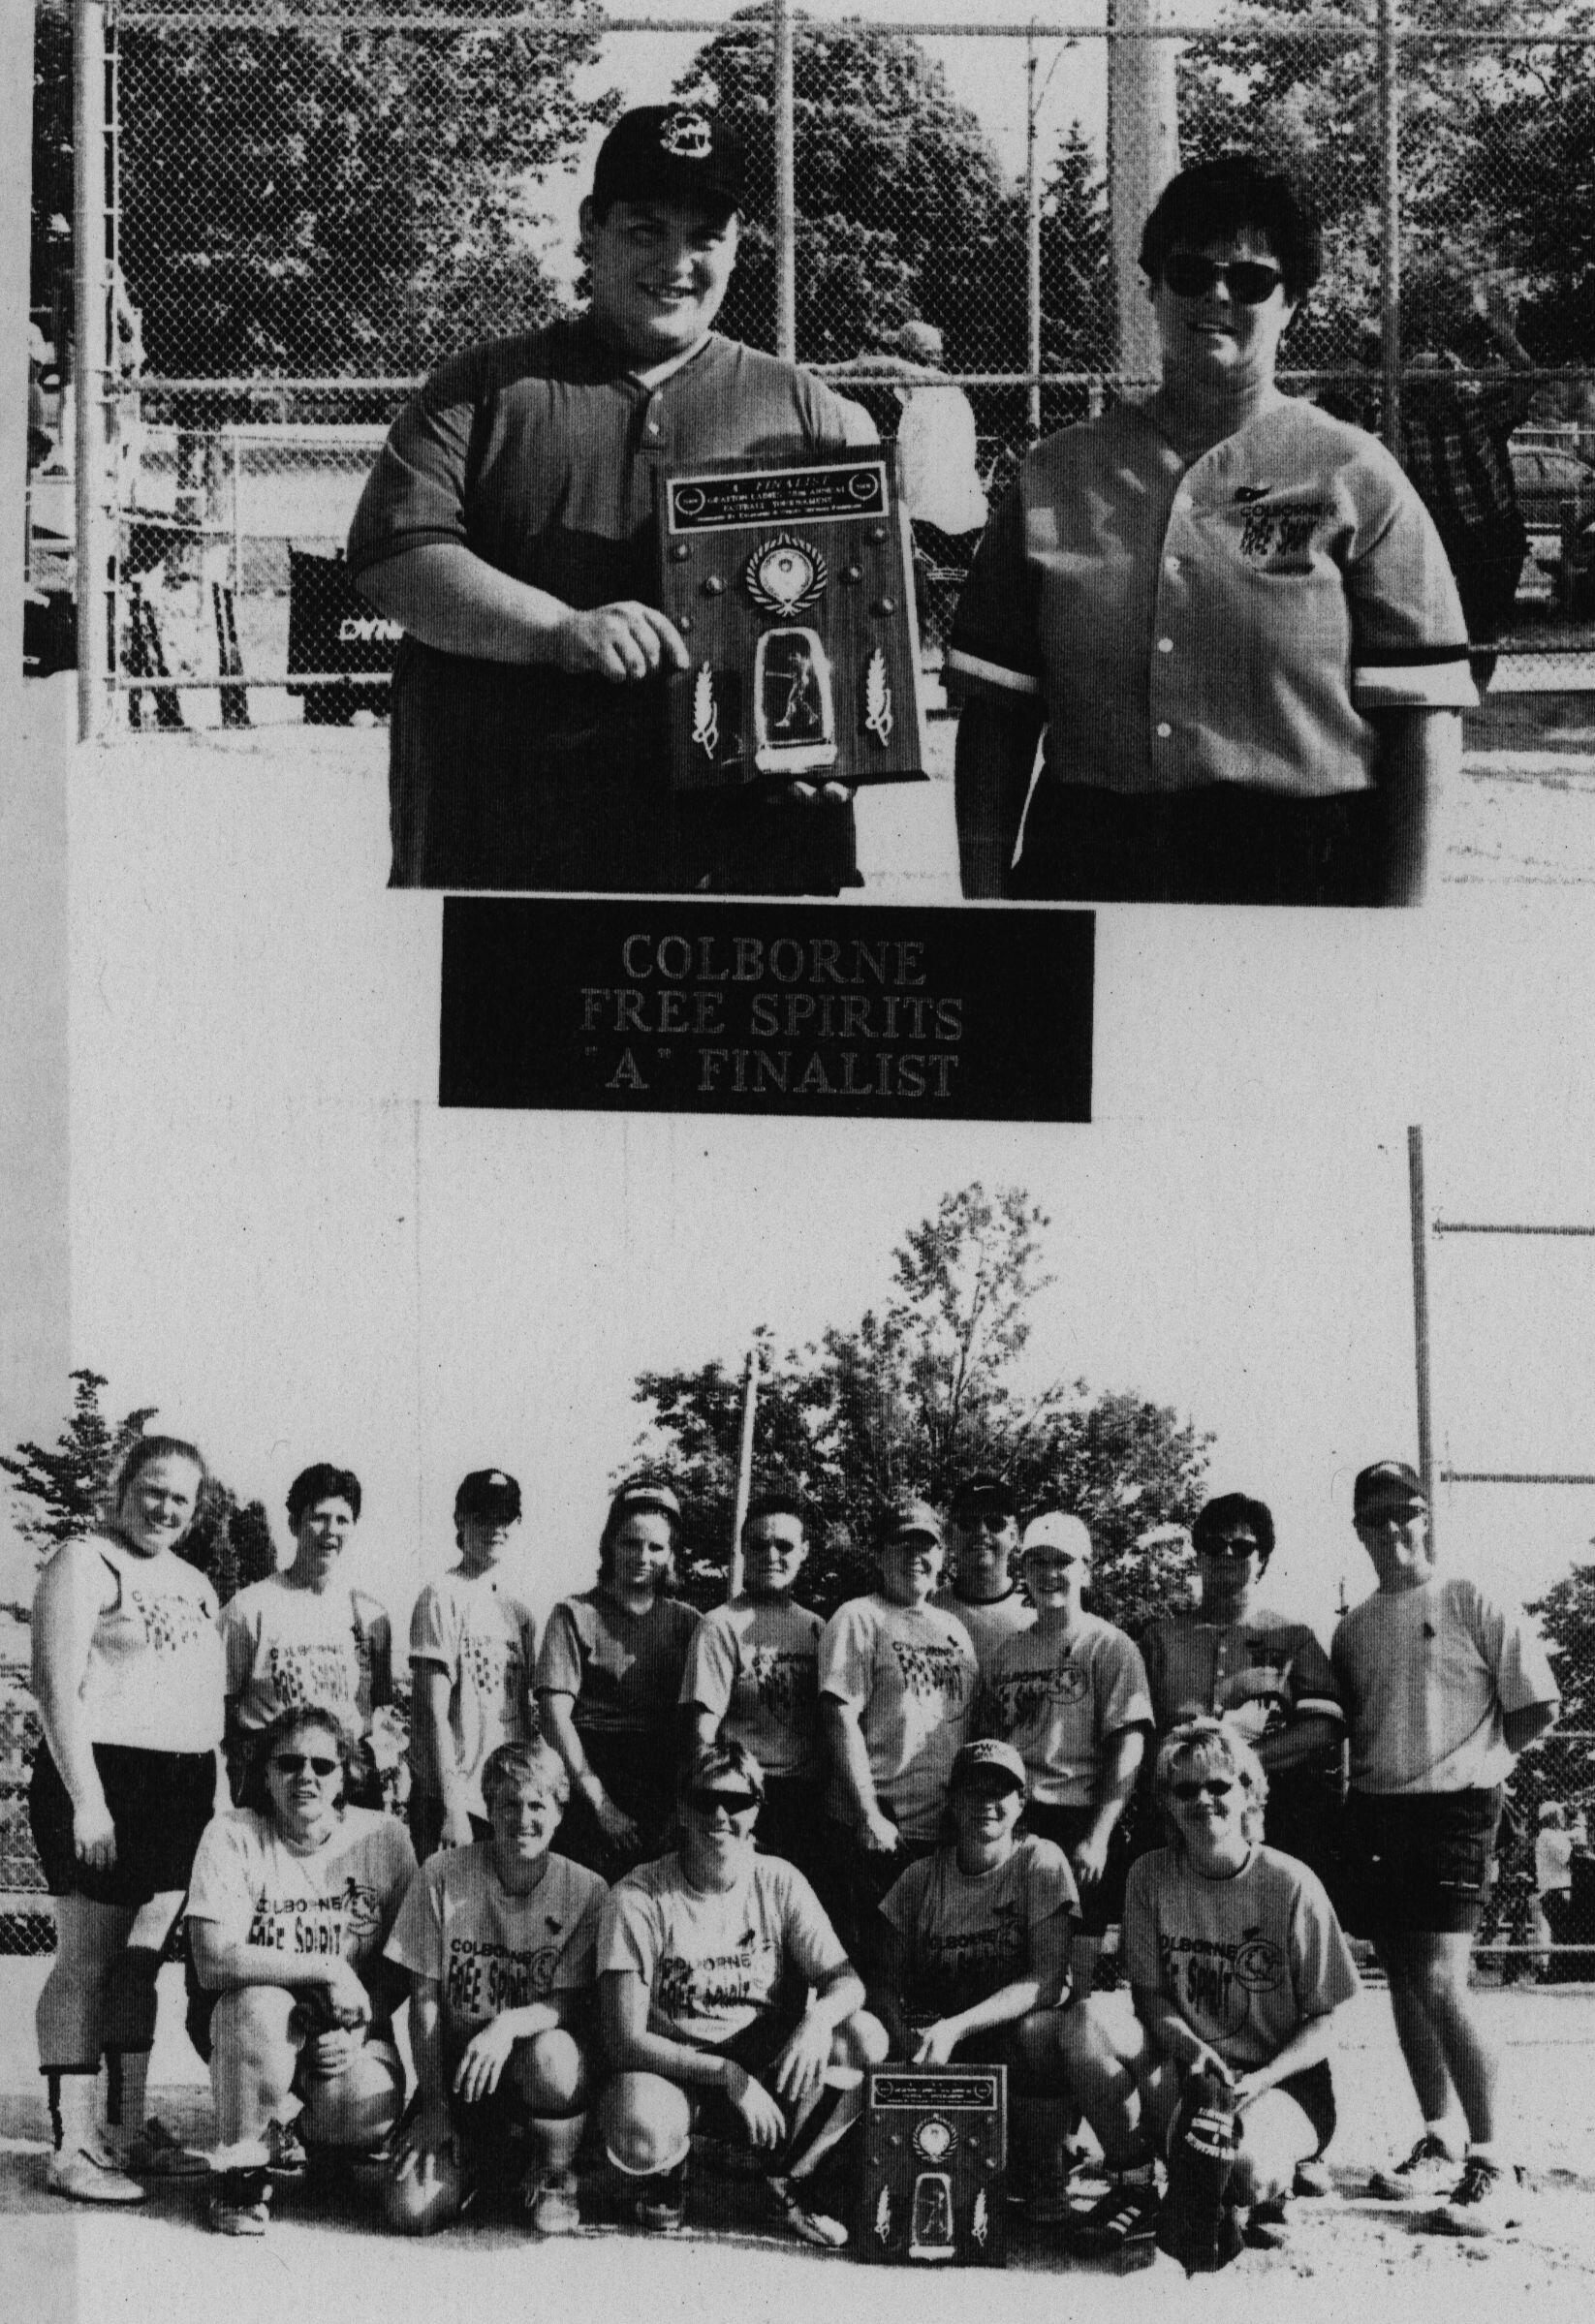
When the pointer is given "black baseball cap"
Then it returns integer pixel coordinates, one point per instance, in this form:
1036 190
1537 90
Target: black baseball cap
670 153
985 1758
1388 1485
985 1489
488 1493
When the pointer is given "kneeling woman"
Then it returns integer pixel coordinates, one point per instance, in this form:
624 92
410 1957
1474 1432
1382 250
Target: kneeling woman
500 1940
972 1956
1237 1968
291 1903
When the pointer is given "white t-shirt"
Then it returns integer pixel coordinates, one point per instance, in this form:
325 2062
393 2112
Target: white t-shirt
487 1641
337 1901
714 1963
153 1678
287 1648
755 1665
1552 1861
489 1949
1426 1675
989 1621
1245 1961
1059 1705
910 1673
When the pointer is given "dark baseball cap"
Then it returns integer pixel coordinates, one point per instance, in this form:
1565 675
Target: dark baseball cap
985 1489
670 153
911 1516
1386 1485
488 1493
988 1758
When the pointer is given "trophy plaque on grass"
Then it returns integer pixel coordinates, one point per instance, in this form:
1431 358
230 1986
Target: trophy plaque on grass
792 585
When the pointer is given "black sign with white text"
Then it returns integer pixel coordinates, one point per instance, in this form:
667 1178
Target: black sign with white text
683 1006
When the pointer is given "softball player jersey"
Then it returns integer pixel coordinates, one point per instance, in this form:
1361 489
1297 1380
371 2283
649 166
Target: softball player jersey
968 1935
910 1673
487 1641
1058 1701
336 1901
1230 621
153 1678
286 1647
1245 1959
756 1666
487 1949
713 1961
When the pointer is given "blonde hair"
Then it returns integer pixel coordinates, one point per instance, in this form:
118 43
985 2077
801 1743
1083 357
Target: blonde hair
1215 1745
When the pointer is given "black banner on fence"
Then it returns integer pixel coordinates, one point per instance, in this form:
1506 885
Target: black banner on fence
687 1007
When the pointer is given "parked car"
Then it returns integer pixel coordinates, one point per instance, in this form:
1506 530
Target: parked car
1547 481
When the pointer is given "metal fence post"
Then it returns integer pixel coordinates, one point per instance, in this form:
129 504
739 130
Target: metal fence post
1420 1313
1032 238
91 361
1389 221
786 187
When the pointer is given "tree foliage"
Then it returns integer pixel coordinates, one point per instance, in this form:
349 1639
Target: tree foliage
901 207
911 1399
65 1490
299 200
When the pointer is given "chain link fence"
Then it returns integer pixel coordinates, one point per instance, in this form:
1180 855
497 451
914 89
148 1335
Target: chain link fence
308 203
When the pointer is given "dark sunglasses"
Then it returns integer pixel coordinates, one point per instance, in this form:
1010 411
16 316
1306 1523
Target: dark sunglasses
1191 276
734 1803
1218 1788
1231 1545
295 1763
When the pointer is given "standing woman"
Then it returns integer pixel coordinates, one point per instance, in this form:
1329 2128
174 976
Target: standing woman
608 1681
1230 614
299 1638
127 1675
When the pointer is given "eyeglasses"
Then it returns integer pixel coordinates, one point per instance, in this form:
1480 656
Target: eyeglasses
1217 1788
734 1803
1231 1545
1191 276
295 1763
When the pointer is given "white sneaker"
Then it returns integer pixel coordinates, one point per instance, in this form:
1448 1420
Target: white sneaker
812 2227
91 2175
1485 2199
1429 2169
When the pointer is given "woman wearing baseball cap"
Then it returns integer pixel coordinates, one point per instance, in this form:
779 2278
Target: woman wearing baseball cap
972 1950
608 1681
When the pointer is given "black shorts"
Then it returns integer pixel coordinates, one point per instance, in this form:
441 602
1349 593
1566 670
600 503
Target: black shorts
755 2050
792 1824
1222 844
1417 1863
1066 1828
160 1803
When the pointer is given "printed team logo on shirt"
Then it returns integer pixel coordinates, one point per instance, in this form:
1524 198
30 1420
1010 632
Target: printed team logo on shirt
930 1671
718 1983
1204 1972
972 1963
331 1927
1028 1695
309 1674
1276 532
482 1978
497 1667
1259 1964
171 1624
782 1680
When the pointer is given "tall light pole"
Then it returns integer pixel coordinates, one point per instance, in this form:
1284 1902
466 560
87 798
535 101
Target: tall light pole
1143 155
91 380
786 187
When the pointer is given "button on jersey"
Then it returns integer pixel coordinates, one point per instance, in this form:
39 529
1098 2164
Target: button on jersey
1244 614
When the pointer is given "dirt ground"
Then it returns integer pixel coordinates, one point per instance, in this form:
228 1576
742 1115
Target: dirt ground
1348 2257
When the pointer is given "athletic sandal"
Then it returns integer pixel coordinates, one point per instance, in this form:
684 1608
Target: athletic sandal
1129 2209
815 2227
154 2152
663 2209
550 2200
91 2175
1429 2169
1485 2199
242 2203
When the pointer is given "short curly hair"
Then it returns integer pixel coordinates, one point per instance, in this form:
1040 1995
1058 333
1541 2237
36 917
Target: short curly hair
322 1480
1237 191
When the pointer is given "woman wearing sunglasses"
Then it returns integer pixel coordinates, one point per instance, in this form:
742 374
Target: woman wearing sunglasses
1238 1968
293 1898
1229 614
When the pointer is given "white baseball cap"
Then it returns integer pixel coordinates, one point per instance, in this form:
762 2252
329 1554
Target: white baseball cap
1054 1529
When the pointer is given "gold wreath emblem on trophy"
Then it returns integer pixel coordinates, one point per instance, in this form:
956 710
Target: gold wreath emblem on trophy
785 575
